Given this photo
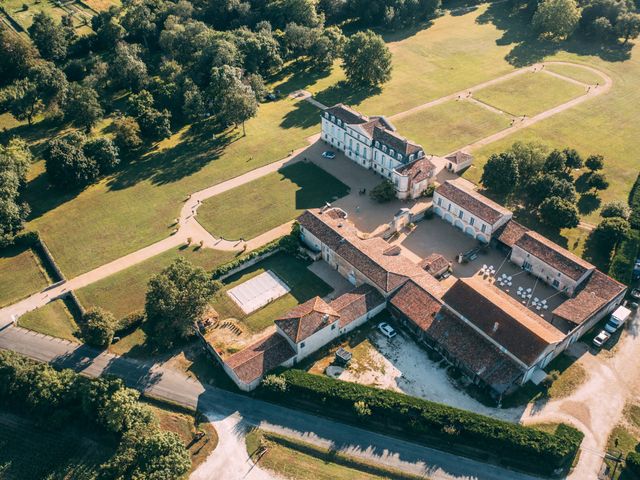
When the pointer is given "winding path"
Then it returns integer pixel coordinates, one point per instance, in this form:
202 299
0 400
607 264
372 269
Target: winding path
188 227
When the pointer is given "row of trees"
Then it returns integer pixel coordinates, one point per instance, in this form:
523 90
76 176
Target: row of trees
15 160
59 399
605 20
544 181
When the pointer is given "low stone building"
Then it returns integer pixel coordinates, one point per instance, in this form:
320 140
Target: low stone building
458 161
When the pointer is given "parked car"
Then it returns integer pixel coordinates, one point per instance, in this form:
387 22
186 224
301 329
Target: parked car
387 330
617 319
632 305
601 339
329 154
635 294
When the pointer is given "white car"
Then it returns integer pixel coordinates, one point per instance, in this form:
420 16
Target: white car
387 330
329 154
601 339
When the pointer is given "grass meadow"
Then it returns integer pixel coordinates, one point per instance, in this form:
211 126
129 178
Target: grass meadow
21 274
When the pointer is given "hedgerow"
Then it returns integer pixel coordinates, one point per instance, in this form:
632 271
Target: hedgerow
624 260
530 448
634 203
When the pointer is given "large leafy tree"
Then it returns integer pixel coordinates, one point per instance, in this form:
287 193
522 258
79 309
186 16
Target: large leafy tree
610 232
545 185
98 327
127 68
230 98
15 159
104 152
501 174
556 19
17 56
48 37
530 157
558 213
22 99
594 162
83 106
67 165
367 59
615 209
176 298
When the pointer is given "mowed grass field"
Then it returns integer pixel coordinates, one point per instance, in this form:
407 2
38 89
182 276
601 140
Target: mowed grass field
303 283
29 453
124 292
529 93
451 125
20 275
53 319
24 17
258 206
576 73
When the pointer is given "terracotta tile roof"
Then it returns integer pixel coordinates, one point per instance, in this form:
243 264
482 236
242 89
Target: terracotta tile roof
418 170
502 318
356 303
347 114
597 291
306 319
434 263
474 352
394 140
257 359
510 233
473 202
459 157
387 272
554 255
416 304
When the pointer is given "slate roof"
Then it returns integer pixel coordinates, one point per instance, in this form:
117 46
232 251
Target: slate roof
416 304
386 271
510 233
554 255
434 263
474 352
306 319
500 317
257 359
356 303
472 201
418 170
598 290
347 114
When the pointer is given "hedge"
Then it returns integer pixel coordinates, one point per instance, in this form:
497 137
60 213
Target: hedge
624 260
528 448
633 463
129 323
634 203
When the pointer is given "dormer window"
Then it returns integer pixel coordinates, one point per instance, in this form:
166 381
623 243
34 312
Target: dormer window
377 144
384 148
326 114
391 152
411 157
339 122
420 154
399 157
333 118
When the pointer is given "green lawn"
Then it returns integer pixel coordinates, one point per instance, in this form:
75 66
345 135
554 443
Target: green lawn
15 8
529 93
290 458
20 275
28 452
124 292
294 272
53 319
577 73
451 125
258 206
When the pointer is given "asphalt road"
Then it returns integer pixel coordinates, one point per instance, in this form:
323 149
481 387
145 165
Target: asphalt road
174 386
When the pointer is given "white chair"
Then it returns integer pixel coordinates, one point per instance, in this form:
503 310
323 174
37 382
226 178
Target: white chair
528 290
536 299
528 295
509 283
544 302
538 307
519 289
509 278
545 306
484 267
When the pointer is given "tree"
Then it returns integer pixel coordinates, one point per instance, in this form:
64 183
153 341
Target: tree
155 124
104 152
556 162
530 157
598 181
17 56
176 298
67 165
98 327
501 174
49 38
126 133
15 160
283 12
83 106
558 213
573 160
127 68
628 26
367 59
51 83
615 209
327 48
594 162
609 233
231 99
193 106
239 106
556 19
22 100
545 185
383 192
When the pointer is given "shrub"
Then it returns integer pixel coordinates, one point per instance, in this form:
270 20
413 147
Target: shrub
383 192
283 242
432 422
362 409
98 327
130 322
634 203
275 383
633 463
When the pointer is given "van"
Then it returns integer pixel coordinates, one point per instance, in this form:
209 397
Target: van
618 318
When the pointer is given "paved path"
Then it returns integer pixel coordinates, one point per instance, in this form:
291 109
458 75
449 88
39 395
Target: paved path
233 413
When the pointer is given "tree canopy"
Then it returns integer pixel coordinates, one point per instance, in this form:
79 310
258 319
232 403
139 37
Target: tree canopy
367 59
501 174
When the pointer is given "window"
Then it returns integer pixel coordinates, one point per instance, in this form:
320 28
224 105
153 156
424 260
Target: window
411 157
364 152
526 265
391 152
339 122
384 148
302 345
326 114
472 221
460 214
484 228
556 283
333 326
439 202
333 118
377 144
420 154
449 207
399 157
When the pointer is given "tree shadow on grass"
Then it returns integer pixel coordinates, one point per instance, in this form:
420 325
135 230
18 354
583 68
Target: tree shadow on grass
588 203
316 186
298 75
596 253
344 92
304 115
528 49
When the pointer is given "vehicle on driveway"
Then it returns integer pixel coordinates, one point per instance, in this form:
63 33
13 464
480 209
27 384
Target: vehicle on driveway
329 154
601 339
633 305
387 330
635 294
618 319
